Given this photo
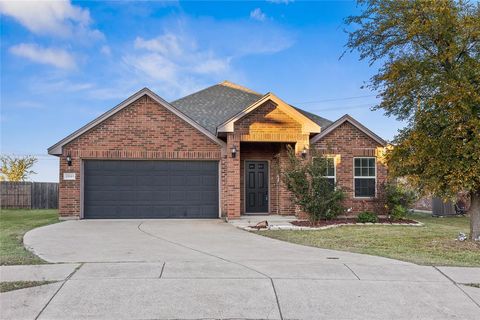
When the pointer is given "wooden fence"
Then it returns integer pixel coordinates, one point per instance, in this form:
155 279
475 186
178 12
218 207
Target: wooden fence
29 195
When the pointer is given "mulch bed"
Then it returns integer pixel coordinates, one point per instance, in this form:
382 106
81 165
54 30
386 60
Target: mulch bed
323 223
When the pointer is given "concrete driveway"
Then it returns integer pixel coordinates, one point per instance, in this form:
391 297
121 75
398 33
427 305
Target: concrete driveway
192 269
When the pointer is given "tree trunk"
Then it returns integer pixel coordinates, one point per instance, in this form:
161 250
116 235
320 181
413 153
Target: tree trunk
474 212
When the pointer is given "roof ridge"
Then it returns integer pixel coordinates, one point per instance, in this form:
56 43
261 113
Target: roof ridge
230 84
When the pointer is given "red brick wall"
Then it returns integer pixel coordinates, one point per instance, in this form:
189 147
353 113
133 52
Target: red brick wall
142 130
232 186
223 184
347 142
285 202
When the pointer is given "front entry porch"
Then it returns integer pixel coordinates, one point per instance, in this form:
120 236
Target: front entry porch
261 190
257 142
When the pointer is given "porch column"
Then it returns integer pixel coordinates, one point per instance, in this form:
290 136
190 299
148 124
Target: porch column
233 178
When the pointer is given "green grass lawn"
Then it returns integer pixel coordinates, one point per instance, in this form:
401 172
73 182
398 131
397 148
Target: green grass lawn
432 244
14 223
10 286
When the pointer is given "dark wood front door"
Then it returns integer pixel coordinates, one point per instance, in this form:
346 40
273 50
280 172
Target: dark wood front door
256 187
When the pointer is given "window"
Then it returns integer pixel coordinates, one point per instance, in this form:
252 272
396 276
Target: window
330 170
364 177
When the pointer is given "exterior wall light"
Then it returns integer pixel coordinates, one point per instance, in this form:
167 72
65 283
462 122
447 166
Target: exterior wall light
234 151
69 160
304 152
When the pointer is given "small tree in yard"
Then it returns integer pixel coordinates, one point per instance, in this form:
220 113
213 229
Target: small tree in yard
311 190
429 76
16 168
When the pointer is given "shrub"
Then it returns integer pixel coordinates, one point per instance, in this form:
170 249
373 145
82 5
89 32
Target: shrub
396 194
398 212
367 216
397 200
311 190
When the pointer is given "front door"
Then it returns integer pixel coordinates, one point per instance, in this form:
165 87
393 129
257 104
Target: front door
256 187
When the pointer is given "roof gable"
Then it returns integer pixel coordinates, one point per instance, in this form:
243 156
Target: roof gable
308 125
214 105
355 123
56 149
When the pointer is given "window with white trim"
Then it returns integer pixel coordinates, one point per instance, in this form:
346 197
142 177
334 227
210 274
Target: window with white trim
330 172
364 177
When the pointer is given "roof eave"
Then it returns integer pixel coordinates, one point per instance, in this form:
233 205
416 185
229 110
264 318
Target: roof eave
56 149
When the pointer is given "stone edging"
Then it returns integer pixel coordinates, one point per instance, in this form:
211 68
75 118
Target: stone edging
293 227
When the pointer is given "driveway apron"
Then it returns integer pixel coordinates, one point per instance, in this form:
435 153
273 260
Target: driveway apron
207 269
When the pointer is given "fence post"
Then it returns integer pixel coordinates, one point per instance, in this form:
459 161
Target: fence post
32 192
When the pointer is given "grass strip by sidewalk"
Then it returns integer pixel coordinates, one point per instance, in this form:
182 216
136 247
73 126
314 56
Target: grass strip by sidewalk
432 244
16 285
14 223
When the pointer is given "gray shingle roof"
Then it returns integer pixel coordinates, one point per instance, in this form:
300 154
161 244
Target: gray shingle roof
322 122
214 105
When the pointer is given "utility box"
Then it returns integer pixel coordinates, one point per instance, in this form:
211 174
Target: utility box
441 208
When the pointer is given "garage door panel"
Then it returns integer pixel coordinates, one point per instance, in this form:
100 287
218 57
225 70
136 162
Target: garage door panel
109 180
150 189
209 181
106 195
194 180
195 197
209 197
153 180
112 211
160 165
152 196
178 180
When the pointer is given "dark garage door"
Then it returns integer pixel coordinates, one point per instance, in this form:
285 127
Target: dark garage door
150 189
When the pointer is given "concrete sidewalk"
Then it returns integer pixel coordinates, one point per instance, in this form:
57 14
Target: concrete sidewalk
41 272
248 289
247 269
212 270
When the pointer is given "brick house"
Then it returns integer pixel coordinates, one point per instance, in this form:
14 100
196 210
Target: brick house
215 153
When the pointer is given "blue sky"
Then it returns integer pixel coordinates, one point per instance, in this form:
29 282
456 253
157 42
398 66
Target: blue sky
64 63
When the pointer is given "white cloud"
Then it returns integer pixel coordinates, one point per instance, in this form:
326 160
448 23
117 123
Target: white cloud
55 82
190 54
52 56
28 104
155 66
177 52
281 1
257 14
164 44
106 50
174 62
212 65
58 18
